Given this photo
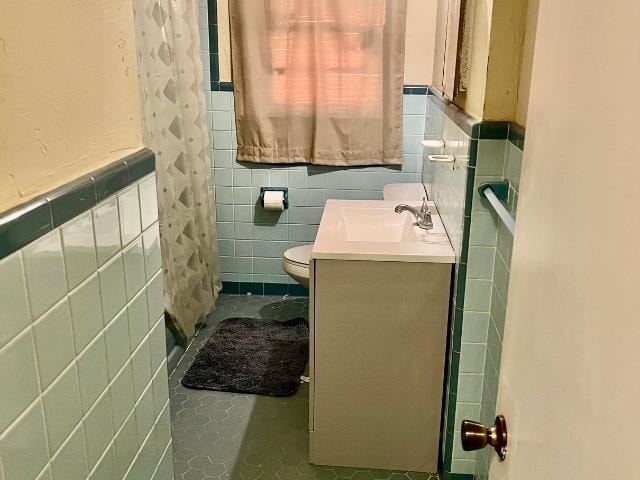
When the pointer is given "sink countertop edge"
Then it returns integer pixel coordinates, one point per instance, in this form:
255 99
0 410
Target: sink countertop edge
327 247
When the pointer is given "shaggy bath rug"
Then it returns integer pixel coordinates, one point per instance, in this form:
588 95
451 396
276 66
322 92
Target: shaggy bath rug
248 355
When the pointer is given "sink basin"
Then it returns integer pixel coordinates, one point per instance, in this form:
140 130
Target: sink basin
356 223
372 230
383 224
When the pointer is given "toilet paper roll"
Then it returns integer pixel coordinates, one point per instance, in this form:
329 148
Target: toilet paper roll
274 201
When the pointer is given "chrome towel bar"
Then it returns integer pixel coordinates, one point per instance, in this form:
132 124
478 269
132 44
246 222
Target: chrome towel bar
497 193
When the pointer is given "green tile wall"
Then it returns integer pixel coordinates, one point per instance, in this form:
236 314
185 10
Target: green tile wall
499 293
482 247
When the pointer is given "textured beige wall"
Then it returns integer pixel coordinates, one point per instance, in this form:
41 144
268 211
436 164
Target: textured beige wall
68 92
508 23
419 44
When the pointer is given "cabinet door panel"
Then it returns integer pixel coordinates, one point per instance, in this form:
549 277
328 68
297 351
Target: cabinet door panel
379 334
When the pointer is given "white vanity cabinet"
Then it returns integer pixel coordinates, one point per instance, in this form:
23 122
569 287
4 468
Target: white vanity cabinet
378 342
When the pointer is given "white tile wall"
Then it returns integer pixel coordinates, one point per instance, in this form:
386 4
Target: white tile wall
129 209
82 349
106 228
447 182
14 314
43 262
54 328
79 248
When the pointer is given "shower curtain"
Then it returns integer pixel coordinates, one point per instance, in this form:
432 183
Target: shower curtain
175 128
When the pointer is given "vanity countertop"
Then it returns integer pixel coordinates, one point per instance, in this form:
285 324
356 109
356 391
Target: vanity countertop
371 230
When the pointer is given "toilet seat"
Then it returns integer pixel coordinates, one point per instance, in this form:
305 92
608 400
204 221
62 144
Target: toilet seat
299 255
295 262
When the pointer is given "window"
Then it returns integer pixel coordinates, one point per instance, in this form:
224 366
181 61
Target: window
327 54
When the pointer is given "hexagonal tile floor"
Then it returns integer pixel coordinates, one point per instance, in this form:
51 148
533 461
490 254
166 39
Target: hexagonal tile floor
228 436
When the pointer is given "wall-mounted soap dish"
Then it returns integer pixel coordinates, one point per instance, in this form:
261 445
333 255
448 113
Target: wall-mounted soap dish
442 158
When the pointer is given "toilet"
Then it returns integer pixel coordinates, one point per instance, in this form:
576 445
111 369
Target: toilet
296 263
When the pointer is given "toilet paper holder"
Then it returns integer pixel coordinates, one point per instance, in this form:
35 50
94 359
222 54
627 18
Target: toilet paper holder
285 191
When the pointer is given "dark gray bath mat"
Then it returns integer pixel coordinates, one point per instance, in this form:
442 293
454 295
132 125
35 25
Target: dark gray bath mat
248 355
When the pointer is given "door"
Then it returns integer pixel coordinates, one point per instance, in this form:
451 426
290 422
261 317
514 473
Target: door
570 379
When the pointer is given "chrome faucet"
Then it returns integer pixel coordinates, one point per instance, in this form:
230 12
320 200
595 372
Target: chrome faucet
423 216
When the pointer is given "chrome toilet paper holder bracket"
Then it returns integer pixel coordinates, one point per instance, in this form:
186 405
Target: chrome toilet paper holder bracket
285 191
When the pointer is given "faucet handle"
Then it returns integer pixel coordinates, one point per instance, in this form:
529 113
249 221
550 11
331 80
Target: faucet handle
425 208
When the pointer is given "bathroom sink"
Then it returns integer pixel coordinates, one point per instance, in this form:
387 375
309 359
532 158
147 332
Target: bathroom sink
381 224
372 230
356 224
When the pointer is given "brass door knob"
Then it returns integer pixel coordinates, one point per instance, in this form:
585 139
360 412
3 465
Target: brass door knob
476 436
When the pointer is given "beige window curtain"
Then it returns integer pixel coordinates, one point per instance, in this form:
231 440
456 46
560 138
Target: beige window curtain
318 81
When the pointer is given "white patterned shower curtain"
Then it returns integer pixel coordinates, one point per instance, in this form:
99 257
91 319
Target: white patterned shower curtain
175 128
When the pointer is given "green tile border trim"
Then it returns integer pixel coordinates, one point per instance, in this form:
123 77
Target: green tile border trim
258 288
140 164
23 225
415 89
29 221
72 199
473 152
214 60
476 130
455 336
471 180
479 129
457 476
491 130
448 446
516 135
218 86
110 180
221 86
462 119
